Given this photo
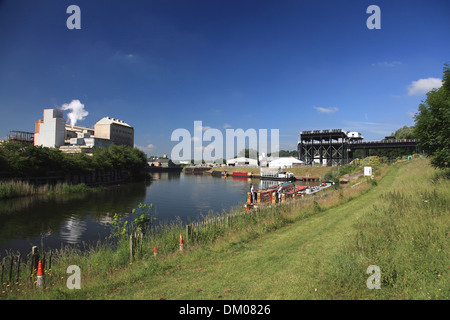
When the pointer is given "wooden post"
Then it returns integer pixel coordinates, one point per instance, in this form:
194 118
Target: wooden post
187 233
141 239
34 259
3 269
131 247
18 267
50 261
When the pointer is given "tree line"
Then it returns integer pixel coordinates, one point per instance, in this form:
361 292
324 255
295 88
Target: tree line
25 160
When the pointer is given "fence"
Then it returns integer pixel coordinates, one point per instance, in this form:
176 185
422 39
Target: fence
18 272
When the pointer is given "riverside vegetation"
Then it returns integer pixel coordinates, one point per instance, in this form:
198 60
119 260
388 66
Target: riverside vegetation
20 162
14 189
316 247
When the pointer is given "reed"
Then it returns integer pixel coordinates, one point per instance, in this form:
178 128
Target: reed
14 189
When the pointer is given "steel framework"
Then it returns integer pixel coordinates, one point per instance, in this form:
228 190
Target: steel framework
335 147
21 136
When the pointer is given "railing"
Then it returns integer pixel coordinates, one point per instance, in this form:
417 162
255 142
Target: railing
385 141
360 142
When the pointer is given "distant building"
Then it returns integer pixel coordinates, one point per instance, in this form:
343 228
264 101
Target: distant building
50 131
159 162
117 131
84 143
21 136
265 160
285 162
73 132
242 161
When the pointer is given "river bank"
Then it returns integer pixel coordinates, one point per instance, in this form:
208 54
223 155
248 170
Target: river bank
321 242
14 189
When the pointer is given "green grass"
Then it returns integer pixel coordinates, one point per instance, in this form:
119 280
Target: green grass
308 249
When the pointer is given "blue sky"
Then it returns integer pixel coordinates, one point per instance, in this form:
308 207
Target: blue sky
161 65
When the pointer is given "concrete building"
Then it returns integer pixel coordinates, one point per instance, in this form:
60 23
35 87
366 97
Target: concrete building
73 132
50 131
117 131
85 142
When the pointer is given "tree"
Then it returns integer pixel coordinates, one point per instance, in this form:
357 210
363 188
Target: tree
248 153
432 123
404 133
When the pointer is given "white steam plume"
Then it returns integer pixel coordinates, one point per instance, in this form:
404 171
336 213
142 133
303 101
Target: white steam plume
77 112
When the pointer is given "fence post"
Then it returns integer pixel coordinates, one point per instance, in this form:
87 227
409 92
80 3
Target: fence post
3 268
50 261
34 259
18 267
131 247
187 233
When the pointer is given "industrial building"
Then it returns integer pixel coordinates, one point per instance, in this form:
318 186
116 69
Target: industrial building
52 131
74 131
21 136
115 130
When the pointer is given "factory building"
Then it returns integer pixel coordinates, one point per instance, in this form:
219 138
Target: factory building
74 131
115 130
52 131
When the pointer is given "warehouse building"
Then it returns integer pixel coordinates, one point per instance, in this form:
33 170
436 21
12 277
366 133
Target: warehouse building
285 162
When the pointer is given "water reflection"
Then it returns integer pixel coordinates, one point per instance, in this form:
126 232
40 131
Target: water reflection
72 230
64 219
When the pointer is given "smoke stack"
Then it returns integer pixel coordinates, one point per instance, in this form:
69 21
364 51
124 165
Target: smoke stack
77 112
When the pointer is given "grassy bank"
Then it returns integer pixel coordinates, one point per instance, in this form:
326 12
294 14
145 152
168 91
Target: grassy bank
405 233
13 189
310 248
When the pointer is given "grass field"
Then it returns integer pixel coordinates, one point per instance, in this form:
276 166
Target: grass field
309 249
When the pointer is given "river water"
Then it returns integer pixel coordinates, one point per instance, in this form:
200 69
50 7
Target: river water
55 221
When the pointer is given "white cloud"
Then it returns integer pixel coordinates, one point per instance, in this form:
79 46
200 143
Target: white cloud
326 110
147 148
226 126
199 127
422 86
